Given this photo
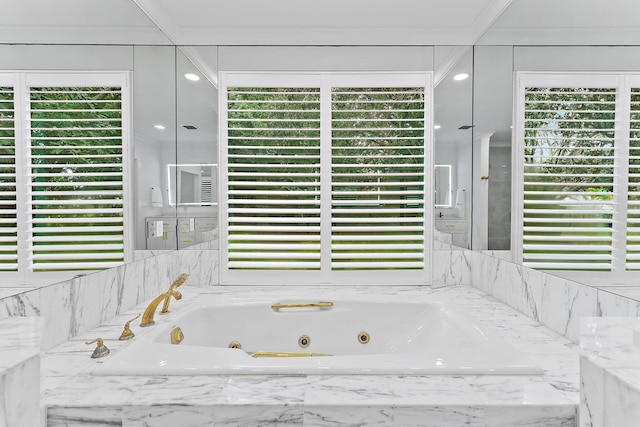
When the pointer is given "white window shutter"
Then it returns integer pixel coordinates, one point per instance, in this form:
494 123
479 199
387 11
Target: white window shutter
8 208
323 179
378 171
273 175
568 177
75 169
633 198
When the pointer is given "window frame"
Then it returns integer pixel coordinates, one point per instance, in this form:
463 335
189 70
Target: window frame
325 81
22 81
622 83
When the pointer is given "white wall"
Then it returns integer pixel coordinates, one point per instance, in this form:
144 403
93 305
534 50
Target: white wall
313 58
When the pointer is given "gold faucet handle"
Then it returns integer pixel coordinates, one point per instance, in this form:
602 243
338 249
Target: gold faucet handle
101 349
127 333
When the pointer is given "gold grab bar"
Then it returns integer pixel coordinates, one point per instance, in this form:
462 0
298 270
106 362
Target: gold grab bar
286 354
320 304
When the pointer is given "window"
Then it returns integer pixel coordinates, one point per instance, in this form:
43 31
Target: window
62 166
578 144
324 177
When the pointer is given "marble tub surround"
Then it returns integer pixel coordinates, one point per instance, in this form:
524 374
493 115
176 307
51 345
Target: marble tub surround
70 307
610 372
74 397
20 372
451 265
553 301
15 290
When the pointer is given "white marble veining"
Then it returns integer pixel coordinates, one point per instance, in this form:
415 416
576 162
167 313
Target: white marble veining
622 388
437 400
102 302
610 372
450 265
73 306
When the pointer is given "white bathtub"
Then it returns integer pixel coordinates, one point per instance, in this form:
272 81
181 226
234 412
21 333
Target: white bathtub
407 337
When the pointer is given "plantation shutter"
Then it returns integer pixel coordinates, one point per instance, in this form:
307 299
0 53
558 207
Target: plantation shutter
568 170
633 198
273 149
75 213
377 192
324 177
8 208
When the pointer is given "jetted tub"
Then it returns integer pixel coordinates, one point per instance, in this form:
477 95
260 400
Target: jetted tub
368 335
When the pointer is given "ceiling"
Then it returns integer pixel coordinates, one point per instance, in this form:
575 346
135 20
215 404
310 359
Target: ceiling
306 22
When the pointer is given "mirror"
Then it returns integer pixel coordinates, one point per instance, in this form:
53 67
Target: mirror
154 147
492 107
193 184
442 186
525 38
453 143
164 109
175 152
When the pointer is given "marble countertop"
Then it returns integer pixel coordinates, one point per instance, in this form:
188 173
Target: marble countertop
68 383
20 339
612 342
610 371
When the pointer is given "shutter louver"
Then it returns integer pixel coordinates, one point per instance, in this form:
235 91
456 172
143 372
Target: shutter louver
273 178
8 208
377 193
75 211
569 136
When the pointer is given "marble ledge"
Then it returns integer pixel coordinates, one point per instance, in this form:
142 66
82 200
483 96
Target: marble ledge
609 371
20 347
20 340
72 393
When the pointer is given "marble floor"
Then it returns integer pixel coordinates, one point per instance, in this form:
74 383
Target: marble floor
74 397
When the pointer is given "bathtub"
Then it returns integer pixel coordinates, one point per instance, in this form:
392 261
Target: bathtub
343 335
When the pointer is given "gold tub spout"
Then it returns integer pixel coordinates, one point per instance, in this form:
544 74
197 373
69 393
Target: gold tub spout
165 298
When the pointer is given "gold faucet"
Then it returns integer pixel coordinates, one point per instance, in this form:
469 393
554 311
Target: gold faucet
147 317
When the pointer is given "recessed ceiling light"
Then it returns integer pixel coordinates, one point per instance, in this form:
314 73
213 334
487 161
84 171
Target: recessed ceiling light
437 127
192 77
461 76
159 127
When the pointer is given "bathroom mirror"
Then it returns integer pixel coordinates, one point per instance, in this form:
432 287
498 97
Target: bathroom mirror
154 146
525 37
175 150
193 183
442 186
492 116
453 141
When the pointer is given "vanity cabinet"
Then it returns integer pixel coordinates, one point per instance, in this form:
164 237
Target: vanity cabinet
457 228
169 233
